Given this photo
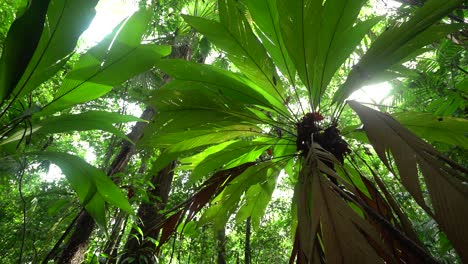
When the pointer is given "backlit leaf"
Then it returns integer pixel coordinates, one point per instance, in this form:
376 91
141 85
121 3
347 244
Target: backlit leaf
91 120
220 82
449 130
266 18
256 200
234 35
65 21
225 204
320 36
114 60
396 44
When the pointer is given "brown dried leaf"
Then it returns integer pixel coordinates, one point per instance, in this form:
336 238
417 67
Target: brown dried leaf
186 211
446 183
346 237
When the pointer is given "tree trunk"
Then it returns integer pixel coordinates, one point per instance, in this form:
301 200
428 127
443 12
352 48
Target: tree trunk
247 250
85 223
112 247
150 213
76 246
221 235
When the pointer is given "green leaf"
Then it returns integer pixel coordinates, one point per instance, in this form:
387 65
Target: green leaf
194 140
138 229
190 139
399 42
265 16
92 186
194 119
352 176
338 52
96 207
449 130
256 200
90 120
117 58
321 35
221 83
234 35
355 132
111 193
300 23
225 203
428 36
185 105
190 229
56 206
337 39
19 47
229 155
65 22
191 162
212 137
183 95
284 147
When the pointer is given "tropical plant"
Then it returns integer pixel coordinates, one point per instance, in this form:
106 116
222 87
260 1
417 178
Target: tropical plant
237 131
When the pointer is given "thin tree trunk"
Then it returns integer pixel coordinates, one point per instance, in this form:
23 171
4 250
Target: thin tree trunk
150 213
114 241
115 250
221 235
203 245
112 247
189 255
73 252
247 249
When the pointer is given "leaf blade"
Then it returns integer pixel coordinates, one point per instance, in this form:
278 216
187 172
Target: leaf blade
445 181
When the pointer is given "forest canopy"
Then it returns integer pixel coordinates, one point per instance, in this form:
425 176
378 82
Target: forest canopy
234 131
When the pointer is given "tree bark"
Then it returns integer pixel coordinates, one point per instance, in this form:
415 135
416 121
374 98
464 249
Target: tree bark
76 246
150 213
247 250
221 235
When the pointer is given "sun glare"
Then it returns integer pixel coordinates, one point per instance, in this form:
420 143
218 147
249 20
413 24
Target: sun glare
109 13
53 174
372 94
384 7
